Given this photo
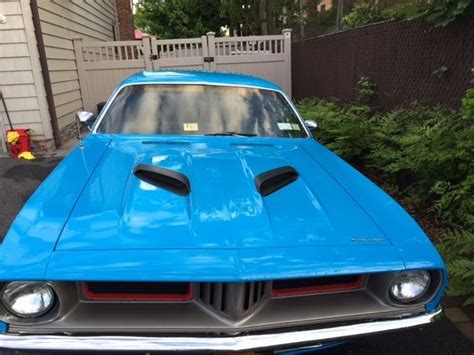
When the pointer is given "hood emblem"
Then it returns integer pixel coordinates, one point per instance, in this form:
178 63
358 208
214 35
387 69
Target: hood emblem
366 240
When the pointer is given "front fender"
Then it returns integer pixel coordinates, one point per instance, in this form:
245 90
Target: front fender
412 244
26 249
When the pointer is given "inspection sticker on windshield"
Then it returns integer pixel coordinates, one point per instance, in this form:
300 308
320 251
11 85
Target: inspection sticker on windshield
283 126
296 127
190 127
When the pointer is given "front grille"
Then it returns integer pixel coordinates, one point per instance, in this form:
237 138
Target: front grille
233 300
197 317
178 291
316 285
254 292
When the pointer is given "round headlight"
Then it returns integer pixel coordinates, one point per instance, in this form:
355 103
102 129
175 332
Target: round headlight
409 286
27 299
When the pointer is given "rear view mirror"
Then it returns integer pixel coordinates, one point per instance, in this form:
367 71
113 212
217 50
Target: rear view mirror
85 118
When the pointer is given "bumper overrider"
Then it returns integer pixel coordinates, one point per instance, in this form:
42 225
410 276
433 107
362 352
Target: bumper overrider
216 343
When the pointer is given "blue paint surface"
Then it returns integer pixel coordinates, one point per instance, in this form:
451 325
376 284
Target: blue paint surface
92 219
3 327
199 77
310 349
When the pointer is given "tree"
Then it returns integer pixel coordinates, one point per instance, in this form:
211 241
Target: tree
179 18
193 18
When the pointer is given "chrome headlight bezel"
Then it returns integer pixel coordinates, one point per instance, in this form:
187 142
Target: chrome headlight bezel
38 298
410 286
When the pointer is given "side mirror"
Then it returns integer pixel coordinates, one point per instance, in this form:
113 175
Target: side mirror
312 125
85 118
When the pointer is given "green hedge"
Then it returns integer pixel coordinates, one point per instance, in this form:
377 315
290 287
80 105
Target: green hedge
423 155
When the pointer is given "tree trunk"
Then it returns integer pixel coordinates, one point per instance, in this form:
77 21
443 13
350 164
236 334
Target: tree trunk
339 14
262 11
271 18
301 19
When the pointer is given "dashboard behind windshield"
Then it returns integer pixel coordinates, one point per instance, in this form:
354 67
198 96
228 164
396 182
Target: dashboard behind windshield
173 109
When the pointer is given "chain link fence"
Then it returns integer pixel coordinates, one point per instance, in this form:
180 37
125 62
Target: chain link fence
406 61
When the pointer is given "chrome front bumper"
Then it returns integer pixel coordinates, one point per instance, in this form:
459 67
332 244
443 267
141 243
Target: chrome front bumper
238 343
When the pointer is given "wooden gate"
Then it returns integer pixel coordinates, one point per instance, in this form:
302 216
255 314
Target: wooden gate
103 65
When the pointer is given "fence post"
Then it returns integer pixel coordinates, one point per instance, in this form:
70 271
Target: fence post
147 52
287 46
155 56
77 44
211 48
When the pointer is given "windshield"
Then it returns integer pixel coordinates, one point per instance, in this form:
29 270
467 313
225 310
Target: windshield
200 110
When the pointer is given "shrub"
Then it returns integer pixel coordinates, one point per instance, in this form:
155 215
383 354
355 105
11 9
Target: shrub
440 13
365 90
341 124
427 154
458 249
362 14
422 154
467 103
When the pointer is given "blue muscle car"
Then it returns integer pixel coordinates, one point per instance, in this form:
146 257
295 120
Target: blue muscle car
200 214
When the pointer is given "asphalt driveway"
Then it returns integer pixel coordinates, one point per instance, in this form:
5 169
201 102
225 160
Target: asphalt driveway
19 178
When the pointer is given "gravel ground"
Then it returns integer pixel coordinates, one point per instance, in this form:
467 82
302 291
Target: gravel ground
19 178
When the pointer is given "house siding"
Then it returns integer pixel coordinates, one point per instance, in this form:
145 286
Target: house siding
20 74
60 22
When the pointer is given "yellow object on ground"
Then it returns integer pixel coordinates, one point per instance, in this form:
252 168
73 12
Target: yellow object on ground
26 155
12 137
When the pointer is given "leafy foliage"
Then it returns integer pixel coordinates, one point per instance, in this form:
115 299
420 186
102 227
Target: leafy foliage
458 248
193 18
362 14
346 128
366 90
423 155
467 103
426 153
320 22
178 18
406 11
440 13
467 107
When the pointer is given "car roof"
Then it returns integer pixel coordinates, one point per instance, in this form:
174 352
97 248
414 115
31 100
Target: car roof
198 77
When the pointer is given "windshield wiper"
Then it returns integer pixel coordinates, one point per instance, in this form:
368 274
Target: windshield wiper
234 134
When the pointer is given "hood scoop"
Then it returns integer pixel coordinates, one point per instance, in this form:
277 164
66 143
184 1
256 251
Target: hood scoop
179 200
166 179
275 179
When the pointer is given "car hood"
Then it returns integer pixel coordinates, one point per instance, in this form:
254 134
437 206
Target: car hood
224 210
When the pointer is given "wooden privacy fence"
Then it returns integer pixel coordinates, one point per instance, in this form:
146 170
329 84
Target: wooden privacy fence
102 65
